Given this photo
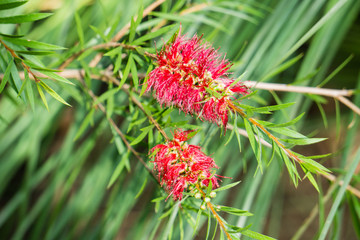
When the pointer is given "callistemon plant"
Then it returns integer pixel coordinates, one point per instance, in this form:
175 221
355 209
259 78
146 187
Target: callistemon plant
181 166
192 76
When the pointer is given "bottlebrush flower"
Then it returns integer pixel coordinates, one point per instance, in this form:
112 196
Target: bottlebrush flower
192 76
181 166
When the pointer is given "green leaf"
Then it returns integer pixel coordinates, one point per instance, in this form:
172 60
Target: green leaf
323 114
145 132
35 52
8 4
79 29
317 98
231 185
141 189
190 18
118 170
197 223
54 94
31 17
99 32
303 141
248 95
135 24
235 229
287 132
208 226
229 12
30 93
132 30
137 122
106 96
113 52
252 140
144 85
152 35
336 71
6 77
313 181
56 77
159 199
312 165
318 156
213 93
339 195
274 147
338 119
255 235
134 76
118 62
42 96
26 74
127 70
294 175
282 67
11 35
87 120
287 124
354 208
268 109
234 211
33 44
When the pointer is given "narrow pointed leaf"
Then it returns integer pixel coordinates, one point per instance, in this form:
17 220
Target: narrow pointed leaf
31 17
53 93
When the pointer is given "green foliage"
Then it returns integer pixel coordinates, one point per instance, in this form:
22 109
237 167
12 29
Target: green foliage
83 171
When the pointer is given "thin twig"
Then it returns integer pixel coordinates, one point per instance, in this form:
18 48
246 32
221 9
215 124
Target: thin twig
107 76
349 104
157 125
122 136
328 92
209 204
275 139
15 56
278 87
328 176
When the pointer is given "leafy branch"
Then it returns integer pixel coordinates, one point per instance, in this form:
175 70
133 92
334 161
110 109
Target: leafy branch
118 131
107 76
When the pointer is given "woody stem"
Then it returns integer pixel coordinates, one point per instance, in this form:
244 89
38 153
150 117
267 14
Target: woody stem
272 137
209 204
15 56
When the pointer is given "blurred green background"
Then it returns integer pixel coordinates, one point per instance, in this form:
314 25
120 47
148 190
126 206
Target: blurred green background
55 187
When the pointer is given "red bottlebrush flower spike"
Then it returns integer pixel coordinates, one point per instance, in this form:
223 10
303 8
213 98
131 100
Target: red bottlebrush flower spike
189 75
181 166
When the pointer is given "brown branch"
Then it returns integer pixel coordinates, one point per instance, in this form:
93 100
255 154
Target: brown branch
157 125
118 131
349 104
107 77
15 56
328 176
275 139
278 87
209 204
